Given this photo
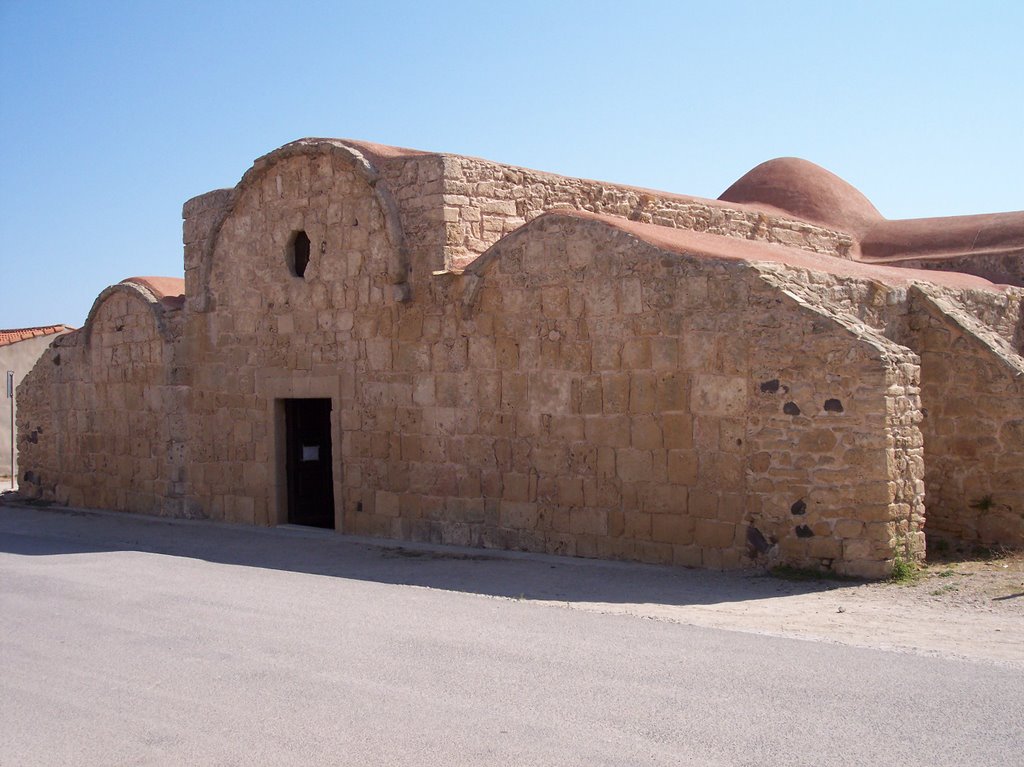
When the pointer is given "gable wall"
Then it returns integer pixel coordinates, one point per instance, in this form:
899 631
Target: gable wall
971 402
973 391
270 334
836 455
103 420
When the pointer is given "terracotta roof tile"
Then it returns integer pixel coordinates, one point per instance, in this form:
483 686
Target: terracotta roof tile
14 335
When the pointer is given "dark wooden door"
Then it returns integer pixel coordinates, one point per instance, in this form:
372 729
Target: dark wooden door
310 479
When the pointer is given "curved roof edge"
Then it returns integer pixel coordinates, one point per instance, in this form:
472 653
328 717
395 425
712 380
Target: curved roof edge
990 234
226 200
170 291
700 245
140 289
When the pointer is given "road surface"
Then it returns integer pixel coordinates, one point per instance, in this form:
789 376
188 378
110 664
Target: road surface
127 640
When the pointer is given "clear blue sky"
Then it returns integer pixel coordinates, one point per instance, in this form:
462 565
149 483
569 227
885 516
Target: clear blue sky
112 114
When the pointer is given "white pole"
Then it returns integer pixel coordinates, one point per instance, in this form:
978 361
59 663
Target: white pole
10 396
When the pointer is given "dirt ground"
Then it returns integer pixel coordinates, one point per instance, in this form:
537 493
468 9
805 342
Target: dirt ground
965 604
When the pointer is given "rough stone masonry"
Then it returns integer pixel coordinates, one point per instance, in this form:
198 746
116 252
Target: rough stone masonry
519 360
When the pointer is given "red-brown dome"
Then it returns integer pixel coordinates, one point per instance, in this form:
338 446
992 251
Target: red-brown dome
806 191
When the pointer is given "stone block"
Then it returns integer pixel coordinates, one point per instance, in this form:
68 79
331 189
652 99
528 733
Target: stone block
606 354
514 390
677 430
636 353
646 432
654 553
672 391
616 523
570 491
664 354
518 516
615 392
643 392
637 525
848 528
682 467
722 470
516 487
633 465
591 399
560 544
687 555
550 392
672 528
608 431
732 507
630 296
718 395
659 498
825 548
587 546
506 353
555 302
588 522
713 534
703 503
601 493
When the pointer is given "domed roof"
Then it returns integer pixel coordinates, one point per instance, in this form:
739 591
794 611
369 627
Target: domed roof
169 291
807 191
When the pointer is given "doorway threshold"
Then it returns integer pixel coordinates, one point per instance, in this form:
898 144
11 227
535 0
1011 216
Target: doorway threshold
309 530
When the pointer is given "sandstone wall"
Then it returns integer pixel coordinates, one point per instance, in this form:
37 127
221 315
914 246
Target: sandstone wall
102 423
973 394
1000 311
484 201
836 461
272 335
576 391
597 396
417 185
969 342
202 217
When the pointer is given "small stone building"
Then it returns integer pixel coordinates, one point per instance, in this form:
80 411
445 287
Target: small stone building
19 350
439 348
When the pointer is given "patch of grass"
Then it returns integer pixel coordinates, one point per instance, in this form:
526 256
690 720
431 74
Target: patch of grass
903 571
947 573
984 552
949 587
790 573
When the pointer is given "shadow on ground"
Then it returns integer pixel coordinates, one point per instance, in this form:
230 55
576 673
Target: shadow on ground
31 531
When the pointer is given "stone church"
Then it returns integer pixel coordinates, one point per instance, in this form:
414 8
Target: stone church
431 347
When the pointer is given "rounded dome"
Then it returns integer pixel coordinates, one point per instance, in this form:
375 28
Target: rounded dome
806 191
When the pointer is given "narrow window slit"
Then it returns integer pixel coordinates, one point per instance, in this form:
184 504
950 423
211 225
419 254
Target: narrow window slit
299 255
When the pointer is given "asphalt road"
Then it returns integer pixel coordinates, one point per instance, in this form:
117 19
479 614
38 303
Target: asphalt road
134 641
